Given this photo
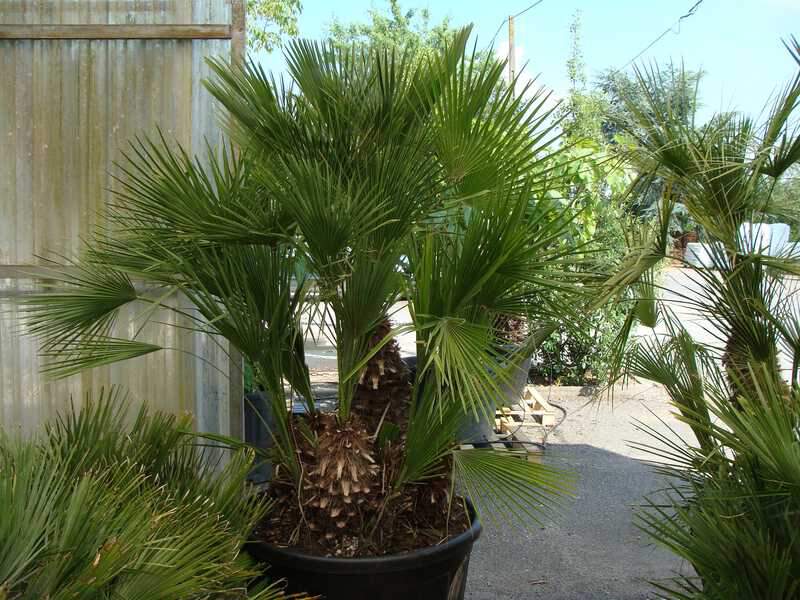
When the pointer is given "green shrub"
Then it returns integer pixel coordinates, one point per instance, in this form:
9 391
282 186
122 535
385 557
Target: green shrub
102 506
579 353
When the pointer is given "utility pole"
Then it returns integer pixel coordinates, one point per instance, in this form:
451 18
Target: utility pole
512 59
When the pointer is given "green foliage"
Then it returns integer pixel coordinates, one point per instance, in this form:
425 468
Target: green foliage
787 193
104 506
406 30
580 354
731 507
269 21
591 182
731 511
674 89
585 109
681 220
373 175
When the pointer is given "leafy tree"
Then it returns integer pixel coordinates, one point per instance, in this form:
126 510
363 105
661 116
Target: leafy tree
585 109
396 28
592 186
404 30
671 89
592 182
593 177
269 21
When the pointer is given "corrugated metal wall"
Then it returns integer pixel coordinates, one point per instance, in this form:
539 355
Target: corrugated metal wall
67 108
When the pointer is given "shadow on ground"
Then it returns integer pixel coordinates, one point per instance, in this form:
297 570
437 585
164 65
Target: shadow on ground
593 551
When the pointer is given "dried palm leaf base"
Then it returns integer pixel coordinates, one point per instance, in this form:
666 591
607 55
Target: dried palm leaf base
383 392
343 507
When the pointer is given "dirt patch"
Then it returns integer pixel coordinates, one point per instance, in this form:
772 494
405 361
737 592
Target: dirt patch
409 525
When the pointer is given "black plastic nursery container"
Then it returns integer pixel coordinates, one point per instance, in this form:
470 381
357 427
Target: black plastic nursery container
435 573
257 424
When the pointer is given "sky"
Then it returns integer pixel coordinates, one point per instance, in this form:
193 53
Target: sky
737 43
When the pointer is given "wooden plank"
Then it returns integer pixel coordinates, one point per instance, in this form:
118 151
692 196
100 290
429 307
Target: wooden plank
236 360
238 30
130 12
116 32
8 146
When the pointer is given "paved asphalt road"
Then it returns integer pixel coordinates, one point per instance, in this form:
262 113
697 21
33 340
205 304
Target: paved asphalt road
595 550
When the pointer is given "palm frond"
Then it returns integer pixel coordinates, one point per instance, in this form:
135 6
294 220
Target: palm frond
97 507
505 486
81 302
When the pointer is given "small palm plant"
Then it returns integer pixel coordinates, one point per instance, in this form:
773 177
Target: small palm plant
366 179
731 510
101 506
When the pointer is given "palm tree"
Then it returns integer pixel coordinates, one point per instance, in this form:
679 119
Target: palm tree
731 506
100 505
726 170
365 179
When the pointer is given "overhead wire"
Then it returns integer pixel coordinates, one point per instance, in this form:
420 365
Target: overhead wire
514 16
689 13
661 36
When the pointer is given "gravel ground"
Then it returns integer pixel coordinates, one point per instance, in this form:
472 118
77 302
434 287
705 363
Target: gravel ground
595 549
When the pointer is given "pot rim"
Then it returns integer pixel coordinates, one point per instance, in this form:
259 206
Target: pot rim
384 563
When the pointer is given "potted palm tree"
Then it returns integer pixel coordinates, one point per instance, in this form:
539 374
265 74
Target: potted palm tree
364 179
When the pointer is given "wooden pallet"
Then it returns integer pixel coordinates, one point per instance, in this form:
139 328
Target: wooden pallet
507 420
540 409
537 412
510 422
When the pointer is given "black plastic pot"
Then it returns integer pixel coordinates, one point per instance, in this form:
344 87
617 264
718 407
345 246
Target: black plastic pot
257 424
435 573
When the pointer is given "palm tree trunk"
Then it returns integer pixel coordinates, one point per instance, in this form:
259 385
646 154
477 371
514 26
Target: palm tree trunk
383 391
